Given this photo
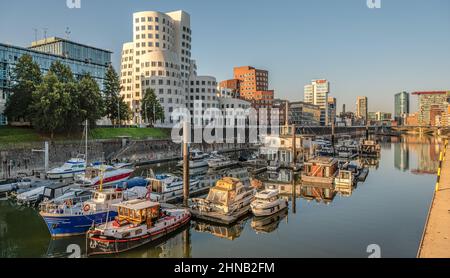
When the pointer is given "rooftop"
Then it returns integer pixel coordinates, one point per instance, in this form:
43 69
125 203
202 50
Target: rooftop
52 40
137 204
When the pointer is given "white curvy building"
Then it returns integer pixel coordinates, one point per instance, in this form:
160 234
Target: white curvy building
159 57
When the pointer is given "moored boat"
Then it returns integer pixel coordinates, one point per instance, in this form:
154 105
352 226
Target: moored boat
74 216
69 169
138 222
268 202
108 174
197 159
168 187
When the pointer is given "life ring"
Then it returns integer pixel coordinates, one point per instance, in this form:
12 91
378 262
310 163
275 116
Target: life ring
69 203
87 208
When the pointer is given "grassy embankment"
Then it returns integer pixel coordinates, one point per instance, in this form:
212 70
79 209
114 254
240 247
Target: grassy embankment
13 135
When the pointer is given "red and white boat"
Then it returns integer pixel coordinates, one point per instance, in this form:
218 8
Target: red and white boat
138 222
105 174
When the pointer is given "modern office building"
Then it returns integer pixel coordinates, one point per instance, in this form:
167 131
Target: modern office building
362 108
401 107
304 114
332 108
159 57
254 86
433 108
282 107
80 58
316 93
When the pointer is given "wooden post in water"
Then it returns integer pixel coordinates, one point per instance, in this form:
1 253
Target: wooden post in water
294 147
294 194
186 180
333 137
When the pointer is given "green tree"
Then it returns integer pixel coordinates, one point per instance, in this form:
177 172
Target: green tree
26 76
89 101
62 72
151 109
115 106
52 104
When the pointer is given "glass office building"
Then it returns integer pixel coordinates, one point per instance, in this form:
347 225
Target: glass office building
80 58
401 107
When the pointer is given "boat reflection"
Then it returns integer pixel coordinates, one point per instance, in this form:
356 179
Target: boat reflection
231 232
270 223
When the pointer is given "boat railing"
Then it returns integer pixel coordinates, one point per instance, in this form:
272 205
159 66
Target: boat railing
61 207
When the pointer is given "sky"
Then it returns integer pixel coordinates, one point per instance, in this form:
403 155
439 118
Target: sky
402 46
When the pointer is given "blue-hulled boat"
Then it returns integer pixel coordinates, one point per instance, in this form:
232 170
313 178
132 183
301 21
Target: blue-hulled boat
73 217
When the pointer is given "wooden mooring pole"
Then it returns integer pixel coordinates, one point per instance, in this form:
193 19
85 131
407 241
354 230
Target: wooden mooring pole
186 178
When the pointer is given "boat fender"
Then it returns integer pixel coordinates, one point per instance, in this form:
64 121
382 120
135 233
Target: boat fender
87 208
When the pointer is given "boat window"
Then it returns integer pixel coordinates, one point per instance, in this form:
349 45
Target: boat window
139 231
108 197
119 195
47 192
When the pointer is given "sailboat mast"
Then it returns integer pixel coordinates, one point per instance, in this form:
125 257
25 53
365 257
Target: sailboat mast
86 143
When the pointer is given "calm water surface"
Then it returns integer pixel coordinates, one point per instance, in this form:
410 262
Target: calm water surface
389 209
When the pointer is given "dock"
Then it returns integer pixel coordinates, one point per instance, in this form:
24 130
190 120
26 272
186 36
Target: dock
436 237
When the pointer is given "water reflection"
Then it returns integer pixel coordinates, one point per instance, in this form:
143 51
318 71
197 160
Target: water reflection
230 232
270 223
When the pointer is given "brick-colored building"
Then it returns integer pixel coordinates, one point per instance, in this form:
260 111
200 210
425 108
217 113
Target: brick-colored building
254 86
233 85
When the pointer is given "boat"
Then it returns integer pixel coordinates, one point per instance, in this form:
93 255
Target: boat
69 169
321 170
217 161
138 222
109 174
197 159
44 193
228 200
10 187
268 202
168 187
74 216
370 148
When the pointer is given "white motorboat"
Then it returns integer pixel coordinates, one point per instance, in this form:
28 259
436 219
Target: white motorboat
106 174
218 161
268 202
227 197
197 159
167 187
69 169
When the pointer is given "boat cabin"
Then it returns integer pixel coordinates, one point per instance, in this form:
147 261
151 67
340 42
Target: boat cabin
55 190
268 195
320 170
138 212
93 172
107 195
225 191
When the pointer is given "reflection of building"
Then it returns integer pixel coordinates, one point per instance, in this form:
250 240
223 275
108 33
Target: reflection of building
401 156
433 107
317 93
80 58
319 193
401 107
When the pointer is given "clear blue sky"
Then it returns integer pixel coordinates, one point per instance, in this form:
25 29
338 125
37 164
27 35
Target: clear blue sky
405 45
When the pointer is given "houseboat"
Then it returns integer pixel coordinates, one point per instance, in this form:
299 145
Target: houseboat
217 161
228 200
320 170
138 222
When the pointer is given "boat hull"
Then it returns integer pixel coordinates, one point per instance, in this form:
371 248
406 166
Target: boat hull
97 245
54 176
70 225
270 209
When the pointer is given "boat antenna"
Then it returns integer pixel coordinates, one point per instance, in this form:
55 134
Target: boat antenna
86 143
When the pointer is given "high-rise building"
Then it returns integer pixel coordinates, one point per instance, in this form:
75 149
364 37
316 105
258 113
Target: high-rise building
362 108
401 107
80 58
433 107
254 86
159 57
317 93
332 108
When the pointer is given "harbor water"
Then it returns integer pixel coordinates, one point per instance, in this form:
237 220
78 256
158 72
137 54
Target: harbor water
388 210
